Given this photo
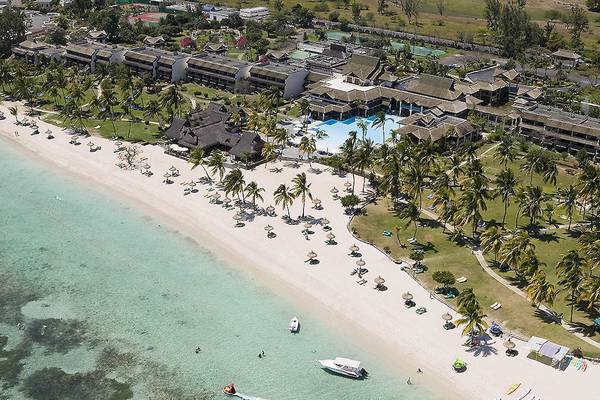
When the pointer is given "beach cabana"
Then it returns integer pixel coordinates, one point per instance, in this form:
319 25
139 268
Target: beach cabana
546 351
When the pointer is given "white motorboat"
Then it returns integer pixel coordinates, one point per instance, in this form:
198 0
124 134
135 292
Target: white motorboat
294 325
344 366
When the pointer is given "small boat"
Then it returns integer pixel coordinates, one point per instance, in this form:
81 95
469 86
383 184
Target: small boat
513 388
294 325
344 366
229 390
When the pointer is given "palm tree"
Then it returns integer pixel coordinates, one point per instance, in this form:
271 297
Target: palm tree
414 181
591 291
234 183
364 158
472 317
282 195
268 152
516 248
570 270
505 182
588 183
307 146
172 99
216 162
379 121
540 290
530 203
348 150
473 201
197 158
301 189
363 126
505 150
153 110
412 214
14 111
253 191
491 240
567 198
533 162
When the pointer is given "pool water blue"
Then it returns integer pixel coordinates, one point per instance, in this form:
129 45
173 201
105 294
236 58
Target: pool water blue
337 131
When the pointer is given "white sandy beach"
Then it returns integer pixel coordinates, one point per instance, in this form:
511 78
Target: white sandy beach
378 320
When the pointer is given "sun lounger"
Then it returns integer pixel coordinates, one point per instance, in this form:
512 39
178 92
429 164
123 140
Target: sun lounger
496 306
421 310
387 233
493 305
462 279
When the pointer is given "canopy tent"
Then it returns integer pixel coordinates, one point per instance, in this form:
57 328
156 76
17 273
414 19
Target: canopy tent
597 322
176 147
546 348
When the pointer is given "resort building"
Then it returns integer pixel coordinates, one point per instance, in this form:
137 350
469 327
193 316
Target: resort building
564 131
214 129
219 13
434 125
160 64
288 78
254 13
98 36
86 54
487 85
154 40
32 52
566 58
216 48
217 71
363 70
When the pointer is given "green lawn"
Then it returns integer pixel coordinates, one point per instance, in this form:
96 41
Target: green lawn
140 132
441 254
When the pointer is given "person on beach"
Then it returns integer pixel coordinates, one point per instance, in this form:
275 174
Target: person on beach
419 371
408 381
198 349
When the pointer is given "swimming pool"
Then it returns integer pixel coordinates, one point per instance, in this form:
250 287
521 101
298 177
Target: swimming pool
337 131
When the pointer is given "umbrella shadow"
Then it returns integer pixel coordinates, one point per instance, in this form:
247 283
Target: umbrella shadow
549 317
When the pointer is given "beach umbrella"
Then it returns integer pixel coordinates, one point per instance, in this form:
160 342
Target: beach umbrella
330 236
308 225
172 169
90 144
311 254
268 228
509 344
146 166
118 144
48 132
192 184
325 222
167 175
238 217
379 280
447 317
347 185
226 200
354 248
361 263
407 296
216 196
334 191
270 209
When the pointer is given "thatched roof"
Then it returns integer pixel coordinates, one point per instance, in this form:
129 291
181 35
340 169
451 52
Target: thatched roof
362 66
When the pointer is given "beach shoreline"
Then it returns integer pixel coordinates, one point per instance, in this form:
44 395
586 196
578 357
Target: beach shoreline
397 337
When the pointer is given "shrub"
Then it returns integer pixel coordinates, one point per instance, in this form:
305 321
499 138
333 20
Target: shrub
350 200
445 278
334 16
387 249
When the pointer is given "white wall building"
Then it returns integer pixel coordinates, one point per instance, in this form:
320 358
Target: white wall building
254 13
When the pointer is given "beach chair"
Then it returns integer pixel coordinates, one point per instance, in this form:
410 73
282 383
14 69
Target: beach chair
493 305
421 310
462 279
496 306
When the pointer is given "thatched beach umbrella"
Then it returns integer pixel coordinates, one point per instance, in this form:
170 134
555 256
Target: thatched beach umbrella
407 296
118 144
447 317
509 344
308 225
172 169
379 280
330 236
311 255
215 196
353 249
238 218
334 191
348 185
270 210
146 166
361 263
226 200
192 184
268 228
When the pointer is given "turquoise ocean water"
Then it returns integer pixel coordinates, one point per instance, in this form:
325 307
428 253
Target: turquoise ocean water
112 305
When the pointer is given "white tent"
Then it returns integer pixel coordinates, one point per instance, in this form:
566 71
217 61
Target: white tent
546 348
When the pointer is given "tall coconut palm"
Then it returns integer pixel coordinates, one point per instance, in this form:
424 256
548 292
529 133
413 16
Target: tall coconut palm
284 196
253 191
506 183
379 121
414 181
153 110
531 202
268 152
363 125
308 146
591 291
505 150
516 248
198 158
14 111
570 271
473 201
234 183
364 158
567 198
172 98
540 290
216 163
412 214
491 240
348 150
588 184
472 318
533 162
301 189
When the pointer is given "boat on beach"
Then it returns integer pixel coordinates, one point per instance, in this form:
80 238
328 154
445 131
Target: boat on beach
294 325
344 366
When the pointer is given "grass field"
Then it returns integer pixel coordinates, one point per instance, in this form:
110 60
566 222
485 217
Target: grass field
440 254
